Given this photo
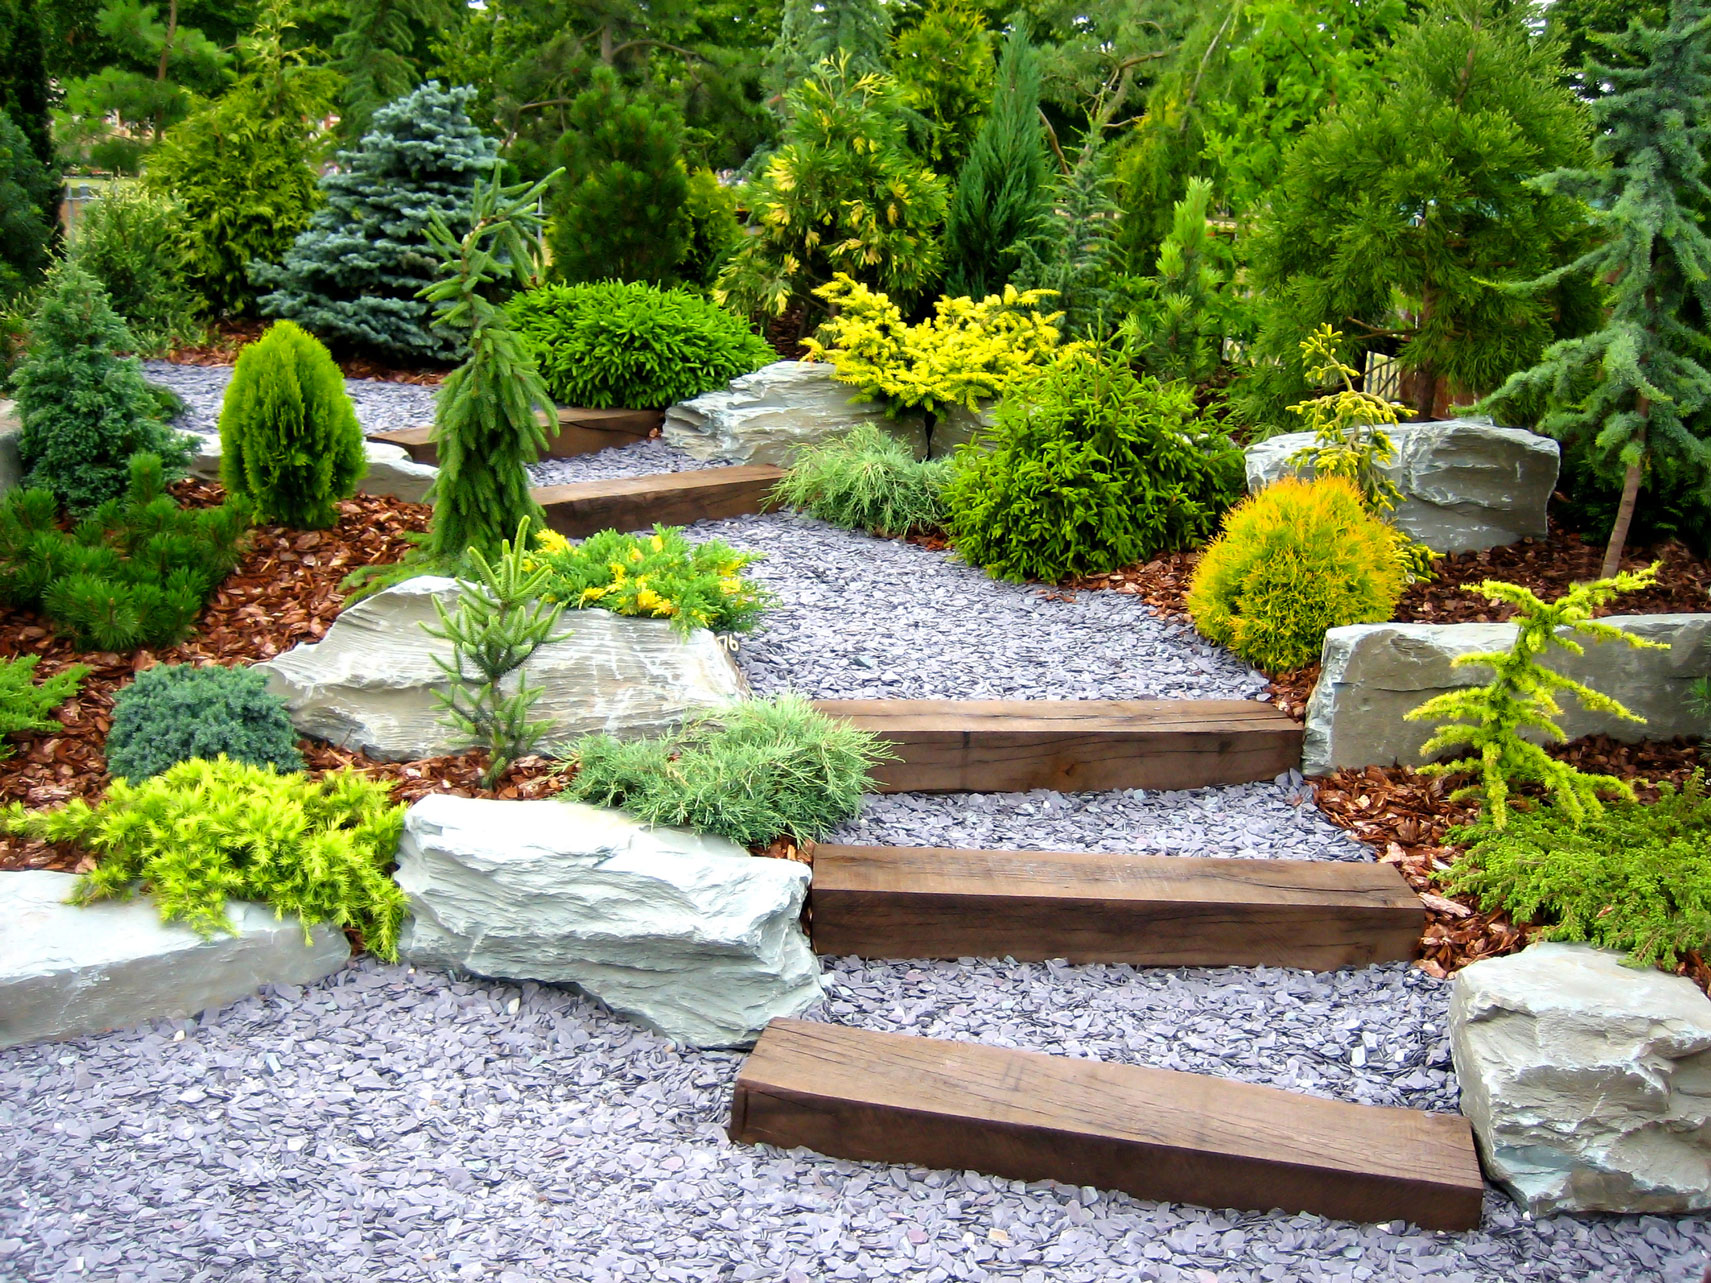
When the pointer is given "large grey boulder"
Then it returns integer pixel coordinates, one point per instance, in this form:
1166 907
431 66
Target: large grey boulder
1465 485
1588 1082
391 471
763 417
957 425
67 971
1373 674
11 464
690 935
369 683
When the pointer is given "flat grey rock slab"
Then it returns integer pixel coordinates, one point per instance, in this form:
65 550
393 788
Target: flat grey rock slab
11 464
765 416
67 971
1588 1082
369 683
391 471
958 425
1373 674
689 934
1466 485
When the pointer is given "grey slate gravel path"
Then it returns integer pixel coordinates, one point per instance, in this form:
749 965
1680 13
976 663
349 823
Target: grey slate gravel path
380 407
391 1125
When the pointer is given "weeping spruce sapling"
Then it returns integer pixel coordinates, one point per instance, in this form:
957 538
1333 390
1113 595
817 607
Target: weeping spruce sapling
501 619
1486 721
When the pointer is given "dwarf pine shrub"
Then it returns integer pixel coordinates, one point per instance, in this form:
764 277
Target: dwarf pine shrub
1632 876
172 713
201 832
657 576
753 771
290 444
1091 468
866 480
25 703
1293 562
1486 722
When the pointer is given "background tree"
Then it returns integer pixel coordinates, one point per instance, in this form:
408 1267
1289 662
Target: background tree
1073 247
1648 406
27 189
812 31
620 211
382 52
1001 192
944 67
1398 212
1180 320
355 275
25 93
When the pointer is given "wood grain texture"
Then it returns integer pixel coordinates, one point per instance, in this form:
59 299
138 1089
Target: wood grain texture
577 431
1154 1133
1149 910
1001 745
669 498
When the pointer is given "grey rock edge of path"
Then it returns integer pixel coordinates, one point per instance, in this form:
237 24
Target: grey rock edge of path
390 470
1588 1082
11 465
1466 484
369 684
1373 674
67 971
691 935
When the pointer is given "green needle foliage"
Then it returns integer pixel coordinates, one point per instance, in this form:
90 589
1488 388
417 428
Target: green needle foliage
290 445
85 409
754 771
129 242
25 703
1182 317
26 187
501 620
175 712
1487 722
1634 876
205 832
867 480
944 66
1072 249
1649 364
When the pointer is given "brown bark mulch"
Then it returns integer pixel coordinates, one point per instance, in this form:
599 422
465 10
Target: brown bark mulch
227 338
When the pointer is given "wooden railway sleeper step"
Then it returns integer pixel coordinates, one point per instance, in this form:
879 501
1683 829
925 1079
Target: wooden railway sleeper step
1153 1133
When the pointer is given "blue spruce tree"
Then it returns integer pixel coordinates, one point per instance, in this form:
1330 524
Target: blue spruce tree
354 276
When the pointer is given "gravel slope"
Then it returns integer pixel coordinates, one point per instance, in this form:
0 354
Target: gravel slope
394 1125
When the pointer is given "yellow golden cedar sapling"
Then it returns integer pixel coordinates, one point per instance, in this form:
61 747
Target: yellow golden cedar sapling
1294 561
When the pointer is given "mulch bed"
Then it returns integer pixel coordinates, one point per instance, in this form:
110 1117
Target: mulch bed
228 338
284 591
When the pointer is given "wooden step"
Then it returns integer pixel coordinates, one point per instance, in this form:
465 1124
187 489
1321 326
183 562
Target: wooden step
666 498
1006 745
578 431
1154 1133
1150 910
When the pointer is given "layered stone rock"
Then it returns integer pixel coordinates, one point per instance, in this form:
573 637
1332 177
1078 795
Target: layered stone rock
67 971
1588 1082
11 463
1373 674
765 416
369 683
1465 485
957 425
690 935
391 471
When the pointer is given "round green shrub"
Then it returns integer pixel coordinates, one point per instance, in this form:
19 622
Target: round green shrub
289 440
129 241
1295 560
174 712
1090 468
637 346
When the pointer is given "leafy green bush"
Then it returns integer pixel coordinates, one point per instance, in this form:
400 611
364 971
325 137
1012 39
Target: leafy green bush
657 576
614 344
1294 561
26 189
866 480
134 572
753 771
290 444
1487 721
1634 876
129 242
175 712
1092 468
205 831
26 703
85 409
714 232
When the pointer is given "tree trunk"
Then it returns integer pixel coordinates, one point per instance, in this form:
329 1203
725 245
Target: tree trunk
165 55
1630 499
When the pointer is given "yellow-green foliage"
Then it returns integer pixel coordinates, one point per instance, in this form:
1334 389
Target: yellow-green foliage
966 352
202 832
657 576
1294 561
1487 721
